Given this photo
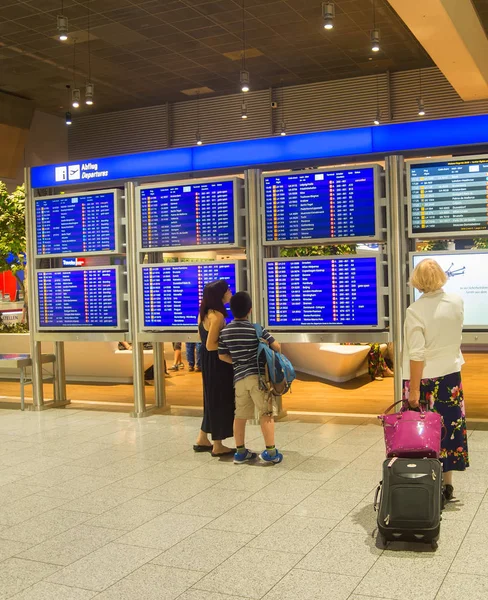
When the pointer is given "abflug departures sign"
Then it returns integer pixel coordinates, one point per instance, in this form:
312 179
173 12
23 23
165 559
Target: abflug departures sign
400 137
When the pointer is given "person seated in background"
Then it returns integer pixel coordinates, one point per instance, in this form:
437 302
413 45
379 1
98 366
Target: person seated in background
178 363
192 349
149 372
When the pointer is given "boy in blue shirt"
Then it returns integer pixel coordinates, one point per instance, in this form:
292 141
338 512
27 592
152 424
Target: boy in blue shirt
238 345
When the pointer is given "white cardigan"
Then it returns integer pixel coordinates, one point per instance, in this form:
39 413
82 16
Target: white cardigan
433 331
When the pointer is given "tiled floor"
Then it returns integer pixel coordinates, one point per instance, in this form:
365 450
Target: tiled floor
98 505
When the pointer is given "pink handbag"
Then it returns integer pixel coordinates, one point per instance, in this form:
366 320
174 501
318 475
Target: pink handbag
412 434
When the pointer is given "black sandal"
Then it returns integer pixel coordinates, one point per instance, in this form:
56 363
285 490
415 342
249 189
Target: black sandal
202 448
448 492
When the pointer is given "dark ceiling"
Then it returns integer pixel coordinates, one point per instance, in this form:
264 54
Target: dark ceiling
147 52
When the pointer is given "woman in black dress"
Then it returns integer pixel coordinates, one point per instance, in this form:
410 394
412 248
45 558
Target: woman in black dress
218 377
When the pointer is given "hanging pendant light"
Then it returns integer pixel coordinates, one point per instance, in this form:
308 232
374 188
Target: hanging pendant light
375 32
420 100
198 135
244 75
75 94
377 119
62 24
328 13
89 87
243 110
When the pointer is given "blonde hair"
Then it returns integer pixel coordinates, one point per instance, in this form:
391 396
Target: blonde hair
428 276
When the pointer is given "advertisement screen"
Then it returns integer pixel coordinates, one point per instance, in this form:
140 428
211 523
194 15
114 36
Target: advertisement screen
468 277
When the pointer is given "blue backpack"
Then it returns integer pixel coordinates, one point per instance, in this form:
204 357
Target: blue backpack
278 373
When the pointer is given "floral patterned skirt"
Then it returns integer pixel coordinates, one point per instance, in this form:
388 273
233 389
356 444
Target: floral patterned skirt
444 395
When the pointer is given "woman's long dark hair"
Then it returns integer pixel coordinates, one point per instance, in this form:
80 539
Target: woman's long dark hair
213 293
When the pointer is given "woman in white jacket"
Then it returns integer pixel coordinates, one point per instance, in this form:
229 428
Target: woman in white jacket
432 362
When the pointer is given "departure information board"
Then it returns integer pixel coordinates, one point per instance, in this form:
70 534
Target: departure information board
78 298
449 197
76 224
172 293
200 214
338 292
320 205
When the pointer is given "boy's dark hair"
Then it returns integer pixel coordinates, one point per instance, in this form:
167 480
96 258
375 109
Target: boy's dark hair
240 305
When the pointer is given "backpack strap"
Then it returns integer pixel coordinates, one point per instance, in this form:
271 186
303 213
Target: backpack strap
259 330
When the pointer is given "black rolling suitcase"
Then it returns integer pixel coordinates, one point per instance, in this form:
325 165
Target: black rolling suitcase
409 500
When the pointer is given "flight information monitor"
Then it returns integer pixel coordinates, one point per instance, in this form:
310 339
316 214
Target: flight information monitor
467 276
323 292
322 206
87 223
189 215
81 299
448 197
172 292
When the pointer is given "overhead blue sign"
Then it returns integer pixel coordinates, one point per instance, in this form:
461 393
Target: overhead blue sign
403 137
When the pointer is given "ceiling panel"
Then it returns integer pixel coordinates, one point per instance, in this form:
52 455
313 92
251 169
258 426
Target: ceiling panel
147 49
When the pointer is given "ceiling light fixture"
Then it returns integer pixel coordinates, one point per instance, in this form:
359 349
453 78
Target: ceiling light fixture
62 23
420 100
75 94
69 121
377 119
89 87
375 32
283 128
198 136
328 13
243 110
67 114
244 76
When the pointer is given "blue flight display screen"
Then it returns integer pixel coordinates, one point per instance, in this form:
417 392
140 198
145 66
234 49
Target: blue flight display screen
76 224
81 298
449 196
314 293
172 294
196 214
320 205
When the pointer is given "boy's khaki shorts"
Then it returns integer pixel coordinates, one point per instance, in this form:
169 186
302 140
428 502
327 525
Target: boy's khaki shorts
248 397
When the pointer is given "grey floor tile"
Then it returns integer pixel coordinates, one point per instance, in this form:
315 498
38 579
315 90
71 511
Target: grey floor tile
464 507
250 480
350 479
51 591
342 452
71 545
211 503
480 522
467 587
317 468
178 490
286 490
45 526
10 548
249 517
471 481
104 567
203 550
152 582
56 476
16 575
151 478
308 444
328 504
216 470
293 534
342 553
131 514
312 586
247 574
200 595
13 492
405 578
76 488
26 508
164 531
104 499
472 557
361 519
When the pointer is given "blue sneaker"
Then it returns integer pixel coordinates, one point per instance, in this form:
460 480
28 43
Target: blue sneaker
277 458
244 457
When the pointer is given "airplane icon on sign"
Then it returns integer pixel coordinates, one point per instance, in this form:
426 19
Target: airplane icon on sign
74 172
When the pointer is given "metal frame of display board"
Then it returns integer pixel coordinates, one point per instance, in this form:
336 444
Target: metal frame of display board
448 234
379 230
287 152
